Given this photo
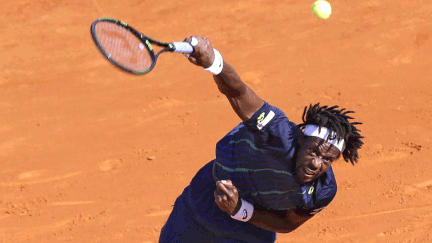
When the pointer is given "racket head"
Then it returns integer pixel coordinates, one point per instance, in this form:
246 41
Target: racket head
124 46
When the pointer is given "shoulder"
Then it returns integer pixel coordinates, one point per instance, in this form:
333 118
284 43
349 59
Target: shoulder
324 191
326 188
269 117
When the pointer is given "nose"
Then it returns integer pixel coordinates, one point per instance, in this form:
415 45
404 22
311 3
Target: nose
315 163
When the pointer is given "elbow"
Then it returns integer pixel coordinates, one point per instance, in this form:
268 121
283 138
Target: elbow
287 228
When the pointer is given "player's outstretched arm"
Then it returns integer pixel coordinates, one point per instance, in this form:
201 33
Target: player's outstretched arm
242 99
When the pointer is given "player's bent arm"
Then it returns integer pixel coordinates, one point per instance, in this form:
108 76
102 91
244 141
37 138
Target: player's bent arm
243 100
281 221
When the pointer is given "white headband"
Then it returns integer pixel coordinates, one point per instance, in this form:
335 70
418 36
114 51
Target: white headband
313 130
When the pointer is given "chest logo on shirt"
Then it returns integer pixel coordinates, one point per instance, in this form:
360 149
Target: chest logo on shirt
311 189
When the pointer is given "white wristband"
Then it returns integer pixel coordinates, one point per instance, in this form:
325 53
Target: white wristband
217 65
245 212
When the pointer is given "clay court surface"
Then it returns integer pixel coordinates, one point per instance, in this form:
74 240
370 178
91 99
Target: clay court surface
91 154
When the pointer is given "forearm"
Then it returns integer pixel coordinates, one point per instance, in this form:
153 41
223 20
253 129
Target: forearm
243 100
275 221
282 221
229 82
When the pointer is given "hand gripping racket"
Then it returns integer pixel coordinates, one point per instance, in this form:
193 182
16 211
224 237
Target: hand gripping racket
129 49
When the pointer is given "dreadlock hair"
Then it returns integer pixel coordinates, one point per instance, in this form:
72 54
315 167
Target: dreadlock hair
336 121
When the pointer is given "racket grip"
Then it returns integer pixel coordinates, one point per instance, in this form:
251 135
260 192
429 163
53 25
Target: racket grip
183 47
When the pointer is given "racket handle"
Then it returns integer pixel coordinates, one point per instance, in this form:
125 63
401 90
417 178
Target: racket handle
183 47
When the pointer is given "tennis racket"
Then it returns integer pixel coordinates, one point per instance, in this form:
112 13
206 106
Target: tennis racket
129 49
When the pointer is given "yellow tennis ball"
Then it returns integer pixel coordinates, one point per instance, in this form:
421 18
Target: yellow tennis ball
322 9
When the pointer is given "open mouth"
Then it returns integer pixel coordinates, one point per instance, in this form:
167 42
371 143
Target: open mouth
308 171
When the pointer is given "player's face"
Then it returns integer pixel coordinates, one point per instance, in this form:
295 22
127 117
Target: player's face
314 157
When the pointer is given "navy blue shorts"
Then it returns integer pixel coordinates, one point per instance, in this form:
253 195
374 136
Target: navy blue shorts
197 218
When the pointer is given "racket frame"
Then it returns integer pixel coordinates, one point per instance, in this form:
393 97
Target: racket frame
147 42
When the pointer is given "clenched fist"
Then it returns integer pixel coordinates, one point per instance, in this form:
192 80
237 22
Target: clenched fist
227 197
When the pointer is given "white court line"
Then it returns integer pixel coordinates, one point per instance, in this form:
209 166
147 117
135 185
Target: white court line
383 212
71 203
19 183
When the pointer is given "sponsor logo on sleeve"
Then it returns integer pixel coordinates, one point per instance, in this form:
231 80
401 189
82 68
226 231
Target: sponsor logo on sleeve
260 118
264 119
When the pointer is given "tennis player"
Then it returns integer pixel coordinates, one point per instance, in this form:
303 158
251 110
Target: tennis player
269 175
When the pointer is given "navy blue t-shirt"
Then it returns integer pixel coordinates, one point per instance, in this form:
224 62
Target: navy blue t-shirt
258 156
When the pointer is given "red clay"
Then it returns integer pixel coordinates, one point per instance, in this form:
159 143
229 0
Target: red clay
91 154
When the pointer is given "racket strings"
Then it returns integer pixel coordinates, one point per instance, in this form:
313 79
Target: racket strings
123 47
